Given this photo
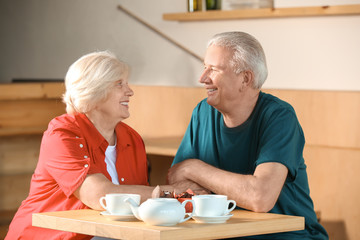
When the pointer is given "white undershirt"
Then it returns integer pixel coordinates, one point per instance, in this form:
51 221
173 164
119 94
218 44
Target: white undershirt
110 160
102 238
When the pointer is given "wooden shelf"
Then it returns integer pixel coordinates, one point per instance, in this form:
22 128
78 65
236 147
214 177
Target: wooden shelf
264 13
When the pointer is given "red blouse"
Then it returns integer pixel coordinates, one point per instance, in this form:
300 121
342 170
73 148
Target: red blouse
71 148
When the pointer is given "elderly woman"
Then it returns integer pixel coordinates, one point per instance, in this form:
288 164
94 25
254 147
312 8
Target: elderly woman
87 152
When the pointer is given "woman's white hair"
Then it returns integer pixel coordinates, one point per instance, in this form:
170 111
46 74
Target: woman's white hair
248 54
89 79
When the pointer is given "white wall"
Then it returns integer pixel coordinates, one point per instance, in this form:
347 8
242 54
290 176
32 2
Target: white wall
40 39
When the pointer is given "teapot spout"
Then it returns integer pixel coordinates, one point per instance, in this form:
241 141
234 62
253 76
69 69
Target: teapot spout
134 207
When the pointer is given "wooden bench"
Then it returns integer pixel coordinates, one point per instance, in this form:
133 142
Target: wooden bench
331 123
330 120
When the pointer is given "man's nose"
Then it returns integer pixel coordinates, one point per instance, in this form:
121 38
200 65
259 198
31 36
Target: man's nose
204 77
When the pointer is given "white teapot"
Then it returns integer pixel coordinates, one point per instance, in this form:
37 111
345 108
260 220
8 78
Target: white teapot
160 211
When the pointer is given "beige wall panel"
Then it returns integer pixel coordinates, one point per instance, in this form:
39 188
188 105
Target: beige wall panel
159 166
14 189
334 185
19 154
162 111
330 121
28 113
328 118
31 91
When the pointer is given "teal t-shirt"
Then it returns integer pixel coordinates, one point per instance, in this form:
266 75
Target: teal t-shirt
271 134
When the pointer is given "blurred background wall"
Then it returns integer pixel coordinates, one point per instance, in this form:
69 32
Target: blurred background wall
40 39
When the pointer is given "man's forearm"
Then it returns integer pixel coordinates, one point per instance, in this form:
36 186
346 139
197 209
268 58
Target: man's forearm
257 192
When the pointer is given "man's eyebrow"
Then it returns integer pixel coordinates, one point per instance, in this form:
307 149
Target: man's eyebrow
216 66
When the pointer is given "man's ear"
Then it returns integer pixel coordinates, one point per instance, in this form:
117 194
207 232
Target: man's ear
247 80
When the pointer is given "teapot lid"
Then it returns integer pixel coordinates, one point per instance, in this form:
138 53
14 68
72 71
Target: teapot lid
163 199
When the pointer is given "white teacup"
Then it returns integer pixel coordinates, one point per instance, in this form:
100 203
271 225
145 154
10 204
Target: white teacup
212 205
115 205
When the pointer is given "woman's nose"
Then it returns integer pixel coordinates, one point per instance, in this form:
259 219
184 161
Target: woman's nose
130 92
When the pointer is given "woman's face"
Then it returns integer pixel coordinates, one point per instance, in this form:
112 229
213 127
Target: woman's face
116 106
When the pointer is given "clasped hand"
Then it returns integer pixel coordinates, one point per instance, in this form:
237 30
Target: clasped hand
179 176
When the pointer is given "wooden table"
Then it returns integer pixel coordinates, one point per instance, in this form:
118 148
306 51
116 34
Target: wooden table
243 223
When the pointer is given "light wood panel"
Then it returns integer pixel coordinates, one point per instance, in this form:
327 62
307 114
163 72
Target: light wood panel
334 184
328 118
264 13
28 108
5 219
18 91
19 154
158 111
18 159
165 112
166 146
25 111
159 165
14 189
28 115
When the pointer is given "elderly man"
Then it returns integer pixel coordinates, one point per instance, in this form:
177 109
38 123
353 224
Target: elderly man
244 143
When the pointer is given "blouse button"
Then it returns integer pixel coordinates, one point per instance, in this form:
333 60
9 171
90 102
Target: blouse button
85 156
81 145
86 165
122 179
77 137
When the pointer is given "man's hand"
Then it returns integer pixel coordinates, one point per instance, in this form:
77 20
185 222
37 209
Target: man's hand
181 171
182 186
179 177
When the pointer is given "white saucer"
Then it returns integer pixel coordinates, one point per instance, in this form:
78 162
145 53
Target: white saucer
214 219
118 217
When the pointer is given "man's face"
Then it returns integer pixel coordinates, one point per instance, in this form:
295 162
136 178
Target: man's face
222 84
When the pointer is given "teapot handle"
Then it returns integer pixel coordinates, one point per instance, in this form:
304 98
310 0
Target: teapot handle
190 214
